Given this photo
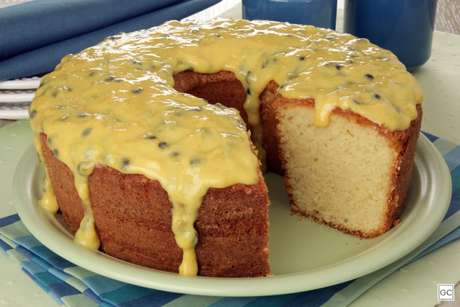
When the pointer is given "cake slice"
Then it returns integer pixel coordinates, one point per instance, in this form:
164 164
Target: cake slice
352 175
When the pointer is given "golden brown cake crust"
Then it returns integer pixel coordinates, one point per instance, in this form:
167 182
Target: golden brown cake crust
61 178
133 219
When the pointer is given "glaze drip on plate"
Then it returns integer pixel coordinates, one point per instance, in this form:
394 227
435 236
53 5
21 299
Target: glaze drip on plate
114 105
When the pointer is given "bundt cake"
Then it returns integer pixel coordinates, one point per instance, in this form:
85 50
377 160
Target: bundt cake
151 140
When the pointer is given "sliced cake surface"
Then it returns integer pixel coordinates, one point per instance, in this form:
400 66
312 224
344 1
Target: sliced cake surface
352 176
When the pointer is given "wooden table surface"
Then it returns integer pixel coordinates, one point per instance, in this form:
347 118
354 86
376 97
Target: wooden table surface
448 16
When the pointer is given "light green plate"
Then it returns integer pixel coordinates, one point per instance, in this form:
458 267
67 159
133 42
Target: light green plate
304 255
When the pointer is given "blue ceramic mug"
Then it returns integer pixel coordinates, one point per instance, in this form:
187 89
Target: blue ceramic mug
402 26
320 13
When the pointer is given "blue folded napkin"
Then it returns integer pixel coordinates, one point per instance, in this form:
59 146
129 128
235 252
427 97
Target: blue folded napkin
43 59
41 22
75 286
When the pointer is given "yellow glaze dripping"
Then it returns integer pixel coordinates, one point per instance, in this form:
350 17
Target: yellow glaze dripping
48 200
86 234
114 105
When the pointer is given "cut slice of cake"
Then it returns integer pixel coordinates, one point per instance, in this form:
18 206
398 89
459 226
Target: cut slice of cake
352 175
